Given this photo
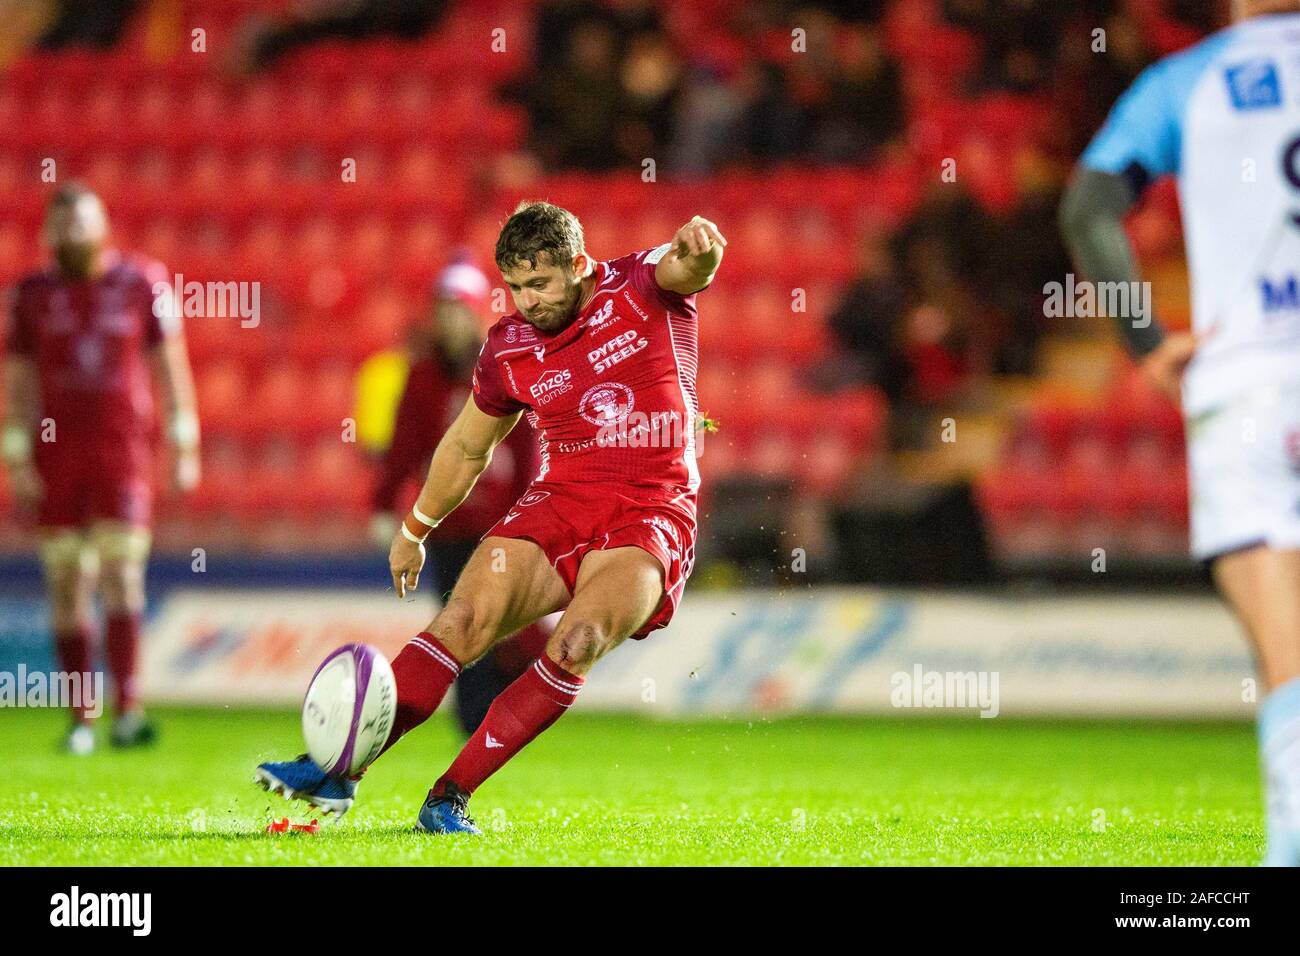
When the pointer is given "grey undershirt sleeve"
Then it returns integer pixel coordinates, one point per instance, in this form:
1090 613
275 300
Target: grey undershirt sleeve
1092 222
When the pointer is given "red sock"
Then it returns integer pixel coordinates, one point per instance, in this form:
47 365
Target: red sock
522 711
121 646
516 654
72 648
425 669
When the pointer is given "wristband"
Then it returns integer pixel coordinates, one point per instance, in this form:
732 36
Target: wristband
183 429
417 525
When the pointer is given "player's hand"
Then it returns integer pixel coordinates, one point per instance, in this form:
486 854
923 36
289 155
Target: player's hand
405 559
1164 366
186 471
696 238
27 488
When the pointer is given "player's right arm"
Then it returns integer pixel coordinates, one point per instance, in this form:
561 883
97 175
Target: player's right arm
463 454
22 386
22 406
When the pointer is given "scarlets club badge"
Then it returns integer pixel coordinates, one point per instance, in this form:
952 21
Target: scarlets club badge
606 404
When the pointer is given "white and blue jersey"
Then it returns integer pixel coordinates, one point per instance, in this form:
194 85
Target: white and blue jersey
1224 117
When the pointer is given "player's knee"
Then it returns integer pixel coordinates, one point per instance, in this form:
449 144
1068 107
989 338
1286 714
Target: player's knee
464 630
121 587
575 647
69 569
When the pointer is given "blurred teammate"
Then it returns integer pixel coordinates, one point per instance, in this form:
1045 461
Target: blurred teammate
437 385
88 334
601 357
1224 116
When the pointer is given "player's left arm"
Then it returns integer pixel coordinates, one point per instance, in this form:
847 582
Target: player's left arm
693 258
1141 141
171 365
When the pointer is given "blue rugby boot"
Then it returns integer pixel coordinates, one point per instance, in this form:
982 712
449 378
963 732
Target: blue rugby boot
302 779
447 812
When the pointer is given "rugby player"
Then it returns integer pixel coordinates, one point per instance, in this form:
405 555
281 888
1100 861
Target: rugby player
1224 117
88 334
601 356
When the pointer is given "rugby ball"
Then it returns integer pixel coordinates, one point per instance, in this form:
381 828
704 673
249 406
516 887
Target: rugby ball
349 708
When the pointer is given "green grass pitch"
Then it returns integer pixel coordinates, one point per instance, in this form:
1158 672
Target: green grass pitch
624 790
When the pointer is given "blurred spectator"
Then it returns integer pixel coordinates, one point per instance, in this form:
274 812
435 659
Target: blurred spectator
1027 254
865 324
863 108
1020 39
1090 81
440 359
575 107
772 126
650 80
92 23
707 114
340 20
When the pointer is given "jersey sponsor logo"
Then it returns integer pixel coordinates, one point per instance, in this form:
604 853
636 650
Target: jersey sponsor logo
491 742
608 404
509 518
533 497
1254 85
631 300
664 525
1282 295
520 333
641 430
570 447
602 317
550 385
622 346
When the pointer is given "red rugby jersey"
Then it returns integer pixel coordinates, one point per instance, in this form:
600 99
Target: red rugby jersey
612 396
90 340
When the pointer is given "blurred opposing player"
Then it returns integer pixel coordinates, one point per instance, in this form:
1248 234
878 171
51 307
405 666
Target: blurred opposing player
437 385
88 332
1224 117
602 358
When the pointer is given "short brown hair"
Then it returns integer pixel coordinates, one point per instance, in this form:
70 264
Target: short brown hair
535 230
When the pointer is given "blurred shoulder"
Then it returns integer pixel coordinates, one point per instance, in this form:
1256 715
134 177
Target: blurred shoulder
143 269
